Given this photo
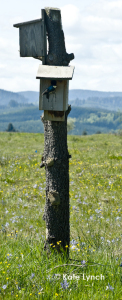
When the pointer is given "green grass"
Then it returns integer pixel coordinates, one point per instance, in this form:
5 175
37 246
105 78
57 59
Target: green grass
26 272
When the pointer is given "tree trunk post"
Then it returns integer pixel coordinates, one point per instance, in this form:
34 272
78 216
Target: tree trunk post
56 156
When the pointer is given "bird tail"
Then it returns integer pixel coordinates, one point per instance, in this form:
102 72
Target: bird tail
45 93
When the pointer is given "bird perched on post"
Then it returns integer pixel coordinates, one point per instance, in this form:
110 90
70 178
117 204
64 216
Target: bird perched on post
49 90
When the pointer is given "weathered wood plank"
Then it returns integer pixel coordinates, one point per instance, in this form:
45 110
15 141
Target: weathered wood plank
54 115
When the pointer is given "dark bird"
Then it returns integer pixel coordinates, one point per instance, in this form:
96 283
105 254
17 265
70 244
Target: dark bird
49 90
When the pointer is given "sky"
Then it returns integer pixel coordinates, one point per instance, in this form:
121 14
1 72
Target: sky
93 32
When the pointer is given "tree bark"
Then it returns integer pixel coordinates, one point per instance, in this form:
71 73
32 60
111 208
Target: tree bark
57 55
56 157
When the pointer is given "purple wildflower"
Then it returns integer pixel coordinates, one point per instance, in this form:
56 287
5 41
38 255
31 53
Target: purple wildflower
64 284
4 286
83 262
109 287
32 276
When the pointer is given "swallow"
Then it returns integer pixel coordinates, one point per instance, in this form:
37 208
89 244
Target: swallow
49 90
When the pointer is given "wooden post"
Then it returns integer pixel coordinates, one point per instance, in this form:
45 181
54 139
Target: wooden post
33 43
56 156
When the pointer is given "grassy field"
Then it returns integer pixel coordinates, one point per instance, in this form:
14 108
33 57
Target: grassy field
94 270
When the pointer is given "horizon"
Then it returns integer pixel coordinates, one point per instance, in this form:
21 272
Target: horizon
69 90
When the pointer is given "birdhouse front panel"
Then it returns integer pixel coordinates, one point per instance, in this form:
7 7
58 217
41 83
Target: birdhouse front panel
31 44
32 38
53 95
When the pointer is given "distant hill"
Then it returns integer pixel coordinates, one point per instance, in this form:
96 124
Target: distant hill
80 98
94 99
6 96
75 97
33 97
110 103
90 120
85 94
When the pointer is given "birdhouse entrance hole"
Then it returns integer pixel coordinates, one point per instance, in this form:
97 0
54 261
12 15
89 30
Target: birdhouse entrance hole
53 82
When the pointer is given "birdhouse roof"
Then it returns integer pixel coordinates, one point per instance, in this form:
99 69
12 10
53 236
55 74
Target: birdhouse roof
27 23
55 72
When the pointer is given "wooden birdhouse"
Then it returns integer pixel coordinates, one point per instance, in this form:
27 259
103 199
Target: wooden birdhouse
55 103
32 38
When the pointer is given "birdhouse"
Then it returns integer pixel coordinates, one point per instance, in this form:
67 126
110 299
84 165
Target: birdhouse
32 38
54 86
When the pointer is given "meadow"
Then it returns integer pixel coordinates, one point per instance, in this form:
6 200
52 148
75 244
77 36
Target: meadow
94 268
